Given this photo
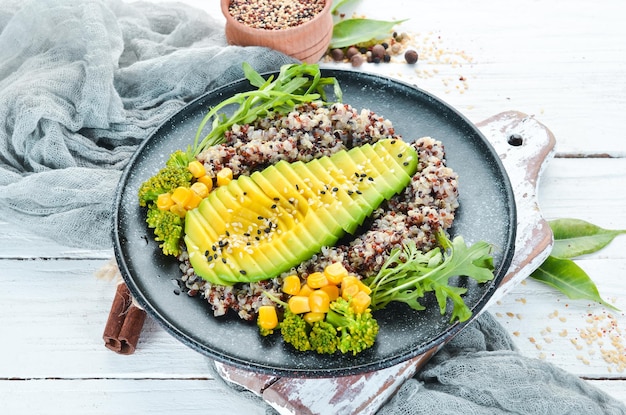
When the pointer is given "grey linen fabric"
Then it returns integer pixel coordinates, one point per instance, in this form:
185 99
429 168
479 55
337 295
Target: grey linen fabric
83 82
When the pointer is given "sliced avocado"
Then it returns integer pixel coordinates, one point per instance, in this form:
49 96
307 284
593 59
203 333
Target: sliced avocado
260 226
350 215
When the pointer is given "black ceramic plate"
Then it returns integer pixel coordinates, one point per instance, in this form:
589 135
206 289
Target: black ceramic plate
487 212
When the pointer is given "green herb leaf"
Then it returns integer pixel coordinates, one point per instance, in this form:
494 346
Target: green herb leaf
408 274
295 84
575 237
566 276
354 31
338 3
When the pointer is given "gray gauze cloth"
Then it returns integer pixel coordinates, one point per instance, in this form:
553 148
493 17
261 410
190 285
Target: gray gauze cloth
83 82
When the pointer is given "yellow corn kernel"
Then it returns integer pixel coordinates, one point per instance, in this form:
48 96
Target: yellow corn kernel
267 319
335 273
207 181
224 176
349 291
200 189
193 201
319 301
360 302
291 285
196 168
299 304
178 210
367 290
316 280
181 195
305 290
332 291
312 317
164 201
349 286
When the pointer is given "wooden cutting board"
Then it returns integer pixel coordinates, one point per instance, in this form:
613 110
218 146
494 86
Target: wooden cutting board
524 145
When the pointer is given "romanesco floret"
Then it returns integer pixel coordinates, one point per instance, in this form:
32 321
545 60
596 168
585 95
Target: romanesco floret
168 229
323 337
357 332
294 330
174 174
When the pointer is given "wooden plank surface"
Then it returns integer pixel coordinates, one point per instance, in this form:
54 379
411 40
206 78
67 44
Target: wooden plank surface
560 61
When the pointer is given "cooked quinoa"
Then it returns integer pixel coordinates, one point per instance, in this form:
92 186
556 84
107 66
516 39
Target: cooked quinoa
311 131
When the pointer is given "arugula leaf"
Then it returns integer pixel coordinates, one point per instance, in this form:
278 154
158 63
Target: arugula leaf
295 84
408 274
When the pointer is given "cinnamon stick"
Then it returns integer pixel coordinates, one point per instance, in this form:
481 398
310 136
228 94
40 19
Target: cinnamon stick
124 324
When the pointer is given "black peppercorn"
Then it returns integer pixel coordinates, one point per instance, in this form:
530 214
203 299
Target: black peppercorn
410 56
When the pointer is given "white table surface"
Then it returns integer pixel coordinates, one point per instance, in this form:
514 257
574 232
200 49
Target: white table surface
563 61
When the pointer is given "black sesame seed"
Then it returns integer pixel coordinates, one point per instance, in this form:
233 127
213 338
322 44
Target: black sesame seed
400 155
274 206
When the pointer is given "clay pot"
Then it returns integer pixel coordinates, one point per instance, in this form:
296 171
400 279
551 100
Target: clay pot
307 42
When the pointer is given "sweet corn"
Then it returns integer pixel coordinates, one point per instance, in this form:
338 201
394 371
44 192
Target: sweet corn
200 189
312 317
196 168
360 302
193 201
299 304
267 319
335 273
332 291
181 195
224 176
178 210
350 291
207 181
316 280
305 290
291 285
319 301
164 201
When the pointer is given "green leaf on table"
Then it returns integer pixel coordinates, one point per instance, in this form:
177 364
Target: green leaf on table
354 31
337 4
566 276
575 237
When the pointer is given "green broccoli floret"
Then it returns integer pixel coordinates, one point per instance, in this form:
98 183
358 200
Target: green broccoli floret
174 174
295 331
357 332
323 337
168 229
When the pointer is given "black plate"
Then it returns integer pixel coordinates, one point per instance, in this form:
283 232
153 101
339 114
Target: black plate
487 212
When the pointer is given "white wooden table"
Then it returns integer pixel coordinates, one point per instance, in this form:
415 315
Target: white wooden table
562 61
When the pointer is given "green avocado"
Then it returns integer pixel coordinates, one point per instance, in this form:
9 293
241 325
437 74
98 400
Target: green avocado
259 226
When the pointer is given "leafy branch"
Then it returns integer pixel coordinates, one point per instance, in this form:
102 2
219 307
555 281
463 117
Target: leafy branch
573 238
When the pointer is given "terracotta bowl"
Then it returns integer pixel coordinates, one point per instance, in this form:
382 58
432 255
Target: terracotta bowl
307 42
